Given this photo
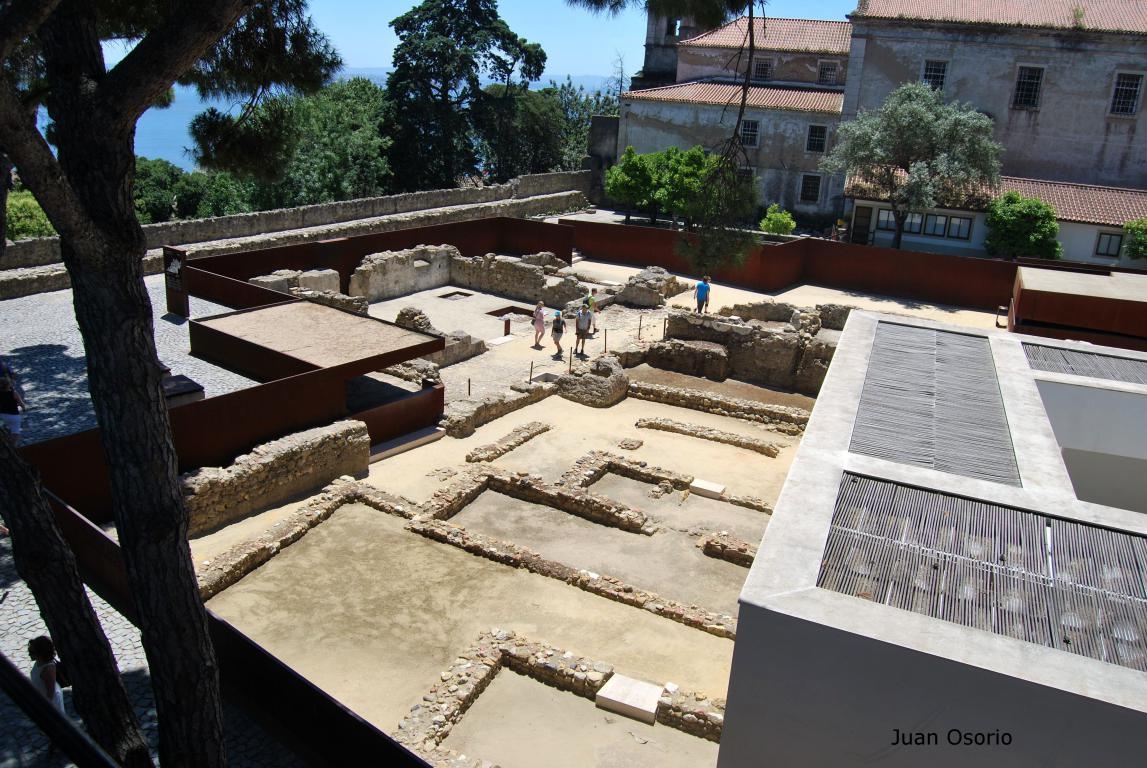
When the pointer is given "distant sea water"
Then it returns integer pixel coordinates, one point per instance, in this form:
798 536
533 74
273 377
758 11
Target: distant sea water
162 133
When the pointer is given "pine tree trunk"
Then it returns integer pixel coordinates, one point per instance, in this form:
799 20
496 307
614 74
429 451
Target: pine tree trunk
46 563
113 311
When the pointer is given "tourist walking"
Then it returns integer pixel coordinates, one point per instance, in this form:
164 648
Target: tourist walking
559 328
591 300
43 654
581 326
539 325
701 293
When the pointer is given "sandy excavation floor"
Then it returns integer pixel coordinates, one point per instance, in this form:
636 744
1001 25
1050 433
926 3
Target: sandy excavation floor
517 719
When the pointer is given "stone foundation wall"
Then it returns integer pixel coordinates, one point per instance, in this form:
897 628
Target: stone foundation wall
695 358
274 472
517 437
783 418
729 548
462 417
390 274
709 433
502 275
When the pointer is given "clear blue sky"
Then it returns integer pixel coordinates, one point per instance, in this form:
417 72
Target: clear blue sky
576 41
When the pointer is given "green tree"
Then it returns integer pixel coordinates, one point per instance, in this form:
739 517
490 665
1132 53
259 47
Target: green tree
336 147
577 107
1135 239
155 182
629 182
777 221
444 48
200 195
1021 226
25 217
225 47
916 152
679 180
519 135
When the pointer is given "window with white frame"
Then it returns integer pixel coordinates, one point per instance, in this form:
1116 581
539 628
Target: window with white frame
959 227
762 69
935 72
810 188
750 132
935 224
827 73
1108 244
1125 97
817 138
1029 80
885 219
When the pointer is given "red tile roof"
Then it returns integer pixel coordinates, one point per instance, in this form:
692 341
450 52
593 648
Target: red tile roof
1101 15
1109 206
723 93
779 35
1082 203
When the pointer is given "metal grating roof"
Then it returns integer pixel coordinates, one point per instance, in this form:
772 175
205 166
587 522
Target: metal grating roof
1058 583
931 399
1056 360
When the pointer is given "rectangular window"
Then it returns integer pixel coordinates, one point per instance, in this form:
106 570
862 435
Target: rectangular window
1028 83
885 220
826 73
959 227
1108 244
913 223
1125 98
817 137
934 74
810 188
762 69
750 132
935 224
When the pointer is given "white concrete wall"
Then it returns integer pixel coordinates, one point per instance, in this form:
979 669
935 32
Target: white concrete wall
1071 137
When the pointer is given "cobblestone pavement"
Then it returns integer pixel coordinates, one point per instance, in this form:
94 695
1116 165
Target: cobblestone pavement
42 343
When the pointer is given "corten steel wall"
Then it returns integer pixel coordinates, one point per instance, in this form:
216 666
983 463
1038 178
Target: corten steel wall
523 236
633 245
413 412
960 280
82 484
319 729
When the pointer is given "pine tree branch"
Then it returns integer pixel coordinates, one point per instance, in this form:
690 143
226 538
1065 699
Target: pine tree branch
171 49
19 19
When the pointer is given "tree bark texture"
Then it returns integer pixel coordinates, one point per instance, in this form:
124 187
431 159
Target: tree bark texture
46 563
96 153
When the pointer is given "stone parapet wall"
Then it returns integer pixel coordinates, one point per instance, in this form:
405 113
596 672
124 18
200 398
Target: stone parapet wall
273 473
785 419
46 250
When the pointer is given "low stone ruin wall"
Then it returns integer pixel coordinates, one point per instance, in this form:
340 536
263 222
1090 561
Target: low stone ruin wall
318 285
650 288
462 417
794 358
390 274
784 419
274 472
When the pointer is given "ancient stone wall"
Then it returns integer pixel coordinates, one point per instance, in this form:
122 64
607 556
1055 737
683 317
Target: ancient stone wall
783 418
783 356
46 250
274 472
389 274
503 275
462 417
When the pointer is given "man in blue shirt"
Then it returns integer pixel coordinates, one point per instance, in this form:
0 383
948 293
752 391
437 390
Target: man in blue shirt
701 293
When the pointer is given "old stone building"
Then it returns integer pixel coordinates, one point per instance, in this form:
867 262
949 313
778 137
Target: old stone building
1062 80
791 113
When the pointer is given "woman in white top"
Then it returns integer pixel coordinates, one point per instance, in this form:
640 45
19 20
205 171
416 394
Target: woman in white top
43 673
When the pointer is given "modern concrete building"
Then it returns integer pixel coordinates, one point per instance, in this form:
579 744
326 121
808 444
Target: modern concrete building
956 570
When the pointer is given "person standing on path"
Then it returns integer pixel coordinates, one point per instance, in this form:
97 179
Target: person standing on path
539 325
591 300
581 325
559 328
701 293
43 674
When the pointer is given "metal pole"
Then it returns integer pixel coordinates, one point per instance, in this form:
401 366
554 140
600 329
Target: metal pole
571 361
606 348
467 387
639 319
531 371
665 328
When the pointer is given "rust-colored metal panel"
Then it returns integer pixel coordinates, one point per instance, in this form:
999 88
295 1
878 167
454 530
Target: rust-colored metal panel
416 411
73 468
236 294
